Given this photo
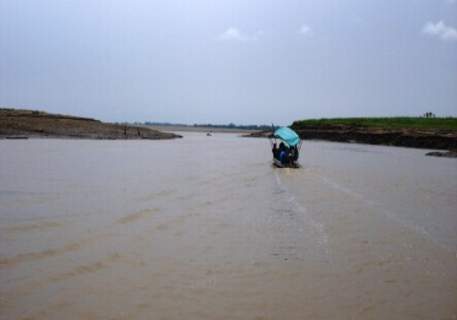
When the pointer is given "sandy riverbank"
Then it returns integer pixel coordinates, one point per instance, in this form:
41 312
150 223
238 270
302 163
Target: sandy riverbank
15 123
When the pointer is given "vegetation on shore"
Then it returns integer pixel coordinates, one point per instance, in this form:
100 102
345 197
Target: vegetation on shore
416 132
230 126
448 123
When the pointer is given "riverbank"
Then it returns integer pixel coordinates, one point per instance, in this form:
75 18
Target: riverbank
434 133
204 129
16 123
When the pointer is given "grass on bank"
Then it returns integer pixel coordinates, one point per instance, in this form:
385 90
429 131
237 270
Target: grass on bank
449 123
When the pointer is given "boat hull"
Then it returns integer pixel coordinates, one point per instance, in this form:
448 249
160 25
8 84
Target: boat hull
279 164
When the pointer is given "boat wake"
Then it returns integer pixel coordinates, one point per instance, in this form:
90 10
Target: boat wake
314 229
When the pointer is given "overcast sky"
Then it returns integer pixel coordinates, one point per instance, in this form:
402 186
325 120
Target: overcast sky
229 61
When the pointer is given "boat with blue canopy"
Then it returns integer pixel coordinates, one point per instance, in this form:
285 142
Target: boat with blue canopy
286 145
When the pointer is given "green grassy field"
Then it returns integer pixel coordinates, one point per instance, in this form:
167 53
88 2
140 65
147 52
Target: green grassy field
449 123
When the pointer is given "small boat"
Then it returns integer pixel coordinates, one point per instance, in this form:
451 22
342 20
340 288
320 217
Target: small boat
208 134
16 137
285 155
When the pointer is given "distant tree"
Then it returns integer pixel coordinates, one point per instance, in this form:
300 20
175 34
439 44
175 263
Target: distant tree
429 115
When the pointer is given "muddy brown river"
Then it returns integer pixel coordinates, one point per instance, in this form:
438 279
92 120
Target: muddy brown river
205 228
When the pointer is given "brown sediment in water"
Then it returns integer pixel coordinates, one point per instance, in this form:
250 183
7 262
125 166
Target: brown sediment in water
28 227
8 262
22 124
357 233
136 216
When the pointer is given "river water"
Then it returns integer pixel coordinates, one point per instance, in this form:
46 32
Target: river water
205 228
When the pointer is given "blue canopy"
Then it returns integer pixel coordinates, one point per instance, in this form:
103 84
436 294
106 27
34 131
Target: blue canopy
288 136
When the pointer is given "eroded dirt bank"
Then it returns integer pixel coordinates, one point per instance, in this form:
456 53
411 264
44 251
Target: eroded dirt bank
425 139
29 123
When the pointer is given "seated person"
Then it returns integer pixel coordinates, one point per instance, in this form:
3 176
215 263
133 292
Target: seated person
283 153
275 151
294 154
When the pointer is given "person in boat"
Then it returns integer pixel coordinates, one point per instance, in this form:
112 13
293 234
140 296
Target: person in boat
283 152
293 156
275 151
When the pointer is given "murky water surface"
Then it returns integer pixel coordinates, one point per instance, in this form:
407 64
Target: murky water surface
206 228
